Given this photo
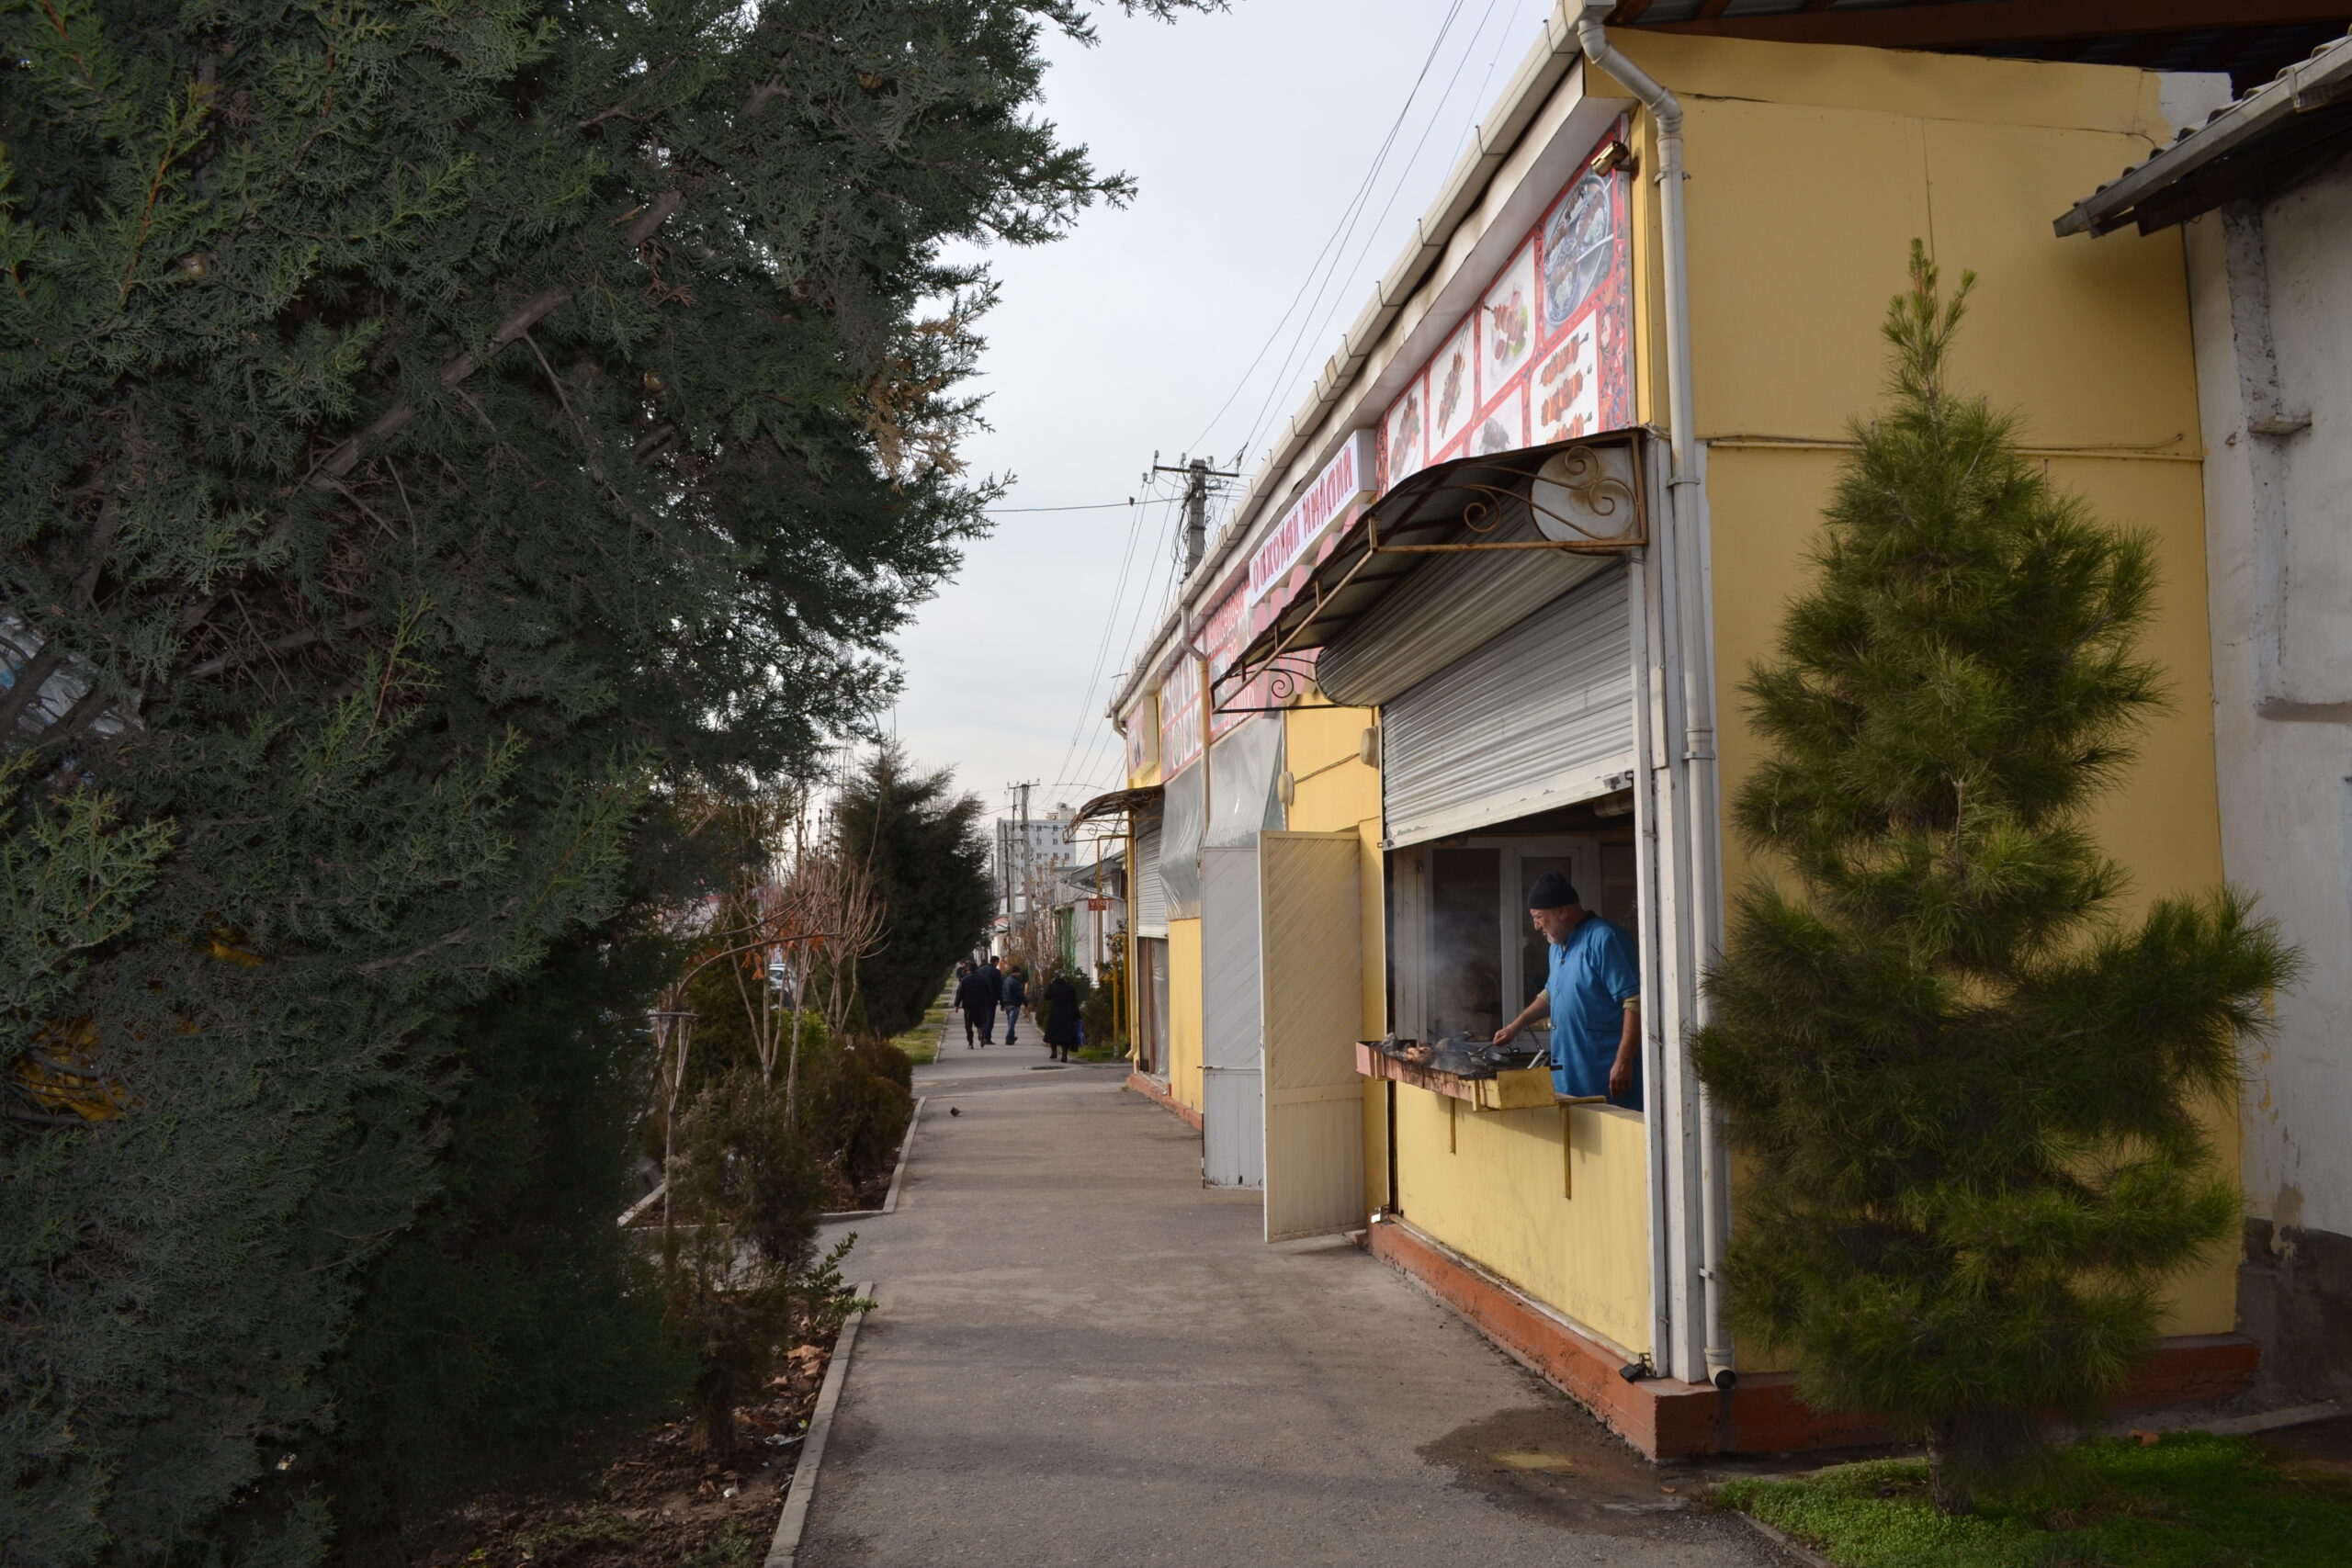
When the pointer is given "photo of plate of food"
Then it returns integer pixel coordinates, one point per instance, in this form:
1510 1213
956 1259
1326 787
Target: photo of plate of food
1453 388
1579 245
1403 437
1507 323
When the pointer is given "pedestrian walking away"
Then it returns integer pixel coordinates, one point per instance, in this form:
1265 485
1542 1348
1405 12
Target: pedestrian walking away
994 979
975 1000
1061 1016
1016 995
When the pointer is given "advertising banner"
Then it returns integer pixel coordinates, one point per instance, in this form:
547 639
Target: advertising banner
1547 354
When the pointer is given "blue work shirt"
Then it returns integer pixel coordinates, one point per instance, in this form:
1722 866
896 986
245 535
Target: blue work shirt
1592 977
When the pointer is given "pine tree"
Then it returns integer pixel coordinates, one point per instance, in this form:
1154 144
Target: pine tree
922 847
431 437
1969 1087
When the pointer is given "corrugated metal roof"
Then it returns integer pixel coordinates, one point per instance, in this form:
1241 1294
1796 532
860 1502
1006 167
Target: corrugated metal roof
2151 192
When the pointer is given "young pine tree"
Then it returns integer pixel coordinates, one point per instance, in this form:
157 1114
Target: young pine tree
1970 1089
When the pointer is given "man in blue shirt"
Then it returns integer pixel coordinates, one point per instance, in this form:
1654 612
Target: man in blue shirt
1594 994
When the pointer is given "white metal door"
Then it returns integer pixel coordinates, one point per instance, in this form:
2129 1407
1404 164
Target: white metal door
1233 1144
1311 900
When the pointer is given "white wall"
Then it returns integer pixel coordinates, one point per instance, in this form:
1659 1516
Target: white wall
2273 309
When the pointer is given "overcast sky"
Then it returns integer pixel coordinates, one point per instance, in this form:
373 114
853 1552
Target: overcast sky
1251 135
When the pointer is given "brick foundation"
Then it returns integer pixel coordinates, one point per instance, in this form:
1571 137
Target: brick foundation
1666 1418
1151 1088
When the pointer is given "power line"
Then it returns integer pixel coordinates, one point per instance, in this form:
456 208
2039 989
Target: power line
1373 233
1109 621
1092 506
1339 230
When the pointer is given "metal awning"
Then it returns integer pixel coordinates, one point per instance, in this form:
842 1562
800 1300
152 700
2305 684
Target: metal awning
1585 495
1118 803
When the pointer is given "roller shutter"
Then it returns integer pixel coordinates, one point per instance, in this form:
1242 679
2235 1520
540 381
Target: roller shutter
1539 718
1151 897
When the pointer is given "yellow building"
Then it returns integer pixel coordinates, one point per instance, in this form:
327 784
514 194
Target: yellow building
1346 771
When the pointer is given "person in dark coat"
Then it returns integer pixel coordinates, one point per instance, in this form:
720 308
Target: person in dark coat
995 978
1016 996
975 998
1061 1016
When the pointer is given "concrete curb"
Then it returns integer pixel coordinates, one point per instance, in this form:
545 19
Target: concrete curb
898 1176
1782 1539
785 1548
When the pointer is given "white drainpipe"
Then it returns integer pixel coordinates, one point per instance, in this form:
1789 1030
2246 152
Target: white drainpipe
1696 654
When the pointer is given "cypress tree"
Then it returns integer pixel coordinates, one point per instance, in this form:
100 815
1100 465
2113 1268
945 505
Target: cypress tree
431 436
1969 1086
922 844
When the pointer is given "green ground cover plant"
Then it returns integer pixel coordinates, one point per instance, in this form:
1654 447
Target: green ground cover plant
920 1043
2186 1500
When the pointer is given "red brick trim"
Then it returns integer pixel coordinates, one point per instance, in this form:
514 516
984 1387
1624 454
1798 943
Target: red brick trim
1666 1418
1151 1088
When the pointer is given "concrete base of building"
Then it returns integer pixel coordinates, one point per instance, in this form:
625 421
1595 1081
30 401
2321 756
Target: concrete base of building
2295 1298
1666 1418
1151 1088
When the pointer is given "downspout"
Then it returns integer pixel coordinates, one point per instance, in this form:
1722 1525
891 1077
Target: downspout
1684 508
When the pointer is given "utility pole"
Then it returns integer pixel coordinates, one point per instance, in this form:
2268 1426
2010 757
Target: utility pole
1197 475
1016 868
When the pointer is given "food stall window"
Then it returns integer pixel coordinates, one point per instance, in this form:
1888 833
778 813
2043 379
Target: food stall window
1465 962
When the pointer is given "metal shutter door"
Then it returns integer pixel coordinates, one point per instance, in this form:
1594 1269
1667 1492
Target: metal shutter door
1151 899
1540 717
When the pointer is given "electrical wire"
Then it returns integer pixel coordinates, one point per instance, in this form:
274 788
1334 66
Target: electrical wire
1285 376
1339 230
1103 644
1092 506
1323 327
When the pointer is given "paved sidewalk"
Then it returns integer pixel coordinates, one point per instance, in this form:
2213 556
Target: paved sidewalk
1083 1358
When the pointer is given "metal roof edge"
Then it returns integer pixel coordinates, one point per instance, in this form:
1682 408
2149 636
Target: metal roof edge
1541 71
2300 88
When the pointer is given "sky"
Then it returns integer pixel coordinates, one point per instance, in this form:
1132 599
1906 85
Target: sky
1282 150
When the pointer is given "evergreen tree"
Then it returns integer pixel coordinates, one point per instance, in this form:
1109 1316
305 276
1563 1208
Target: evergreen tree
432 433
513 1318
1969 1087
930 865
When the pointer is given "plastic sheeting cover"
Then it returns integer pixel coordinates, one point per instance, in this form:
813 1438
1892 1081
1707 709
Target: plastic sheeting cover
1180 843
1244 768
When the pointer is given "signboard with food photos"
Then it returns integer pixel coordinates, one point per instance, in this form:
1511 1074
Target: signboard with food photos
1547 354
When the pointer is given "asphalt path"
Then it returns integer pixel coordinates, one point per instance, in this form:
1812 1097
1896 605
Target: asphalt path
1082 1357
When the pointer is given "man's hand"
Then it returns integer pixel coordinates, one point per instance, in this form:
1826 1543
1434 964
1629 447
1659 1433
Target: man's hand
1507 1033
1621 1078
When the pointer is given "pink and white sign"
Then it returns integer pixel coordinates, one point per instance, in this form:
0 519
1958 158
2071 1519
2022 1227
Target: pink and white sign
1350 477
1180 716
1550 340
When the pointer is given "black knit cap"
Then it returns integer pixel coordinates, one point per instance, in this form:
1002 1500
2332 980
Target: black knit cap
1552 891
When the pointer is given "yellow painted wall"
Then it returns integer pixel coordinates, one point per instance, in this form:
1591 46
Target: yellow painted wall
1184 1013
1811 170
1572 1231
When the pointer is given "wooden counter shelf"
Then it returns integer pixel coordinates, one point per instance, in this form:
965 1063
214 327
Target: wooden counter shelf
1519 1088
